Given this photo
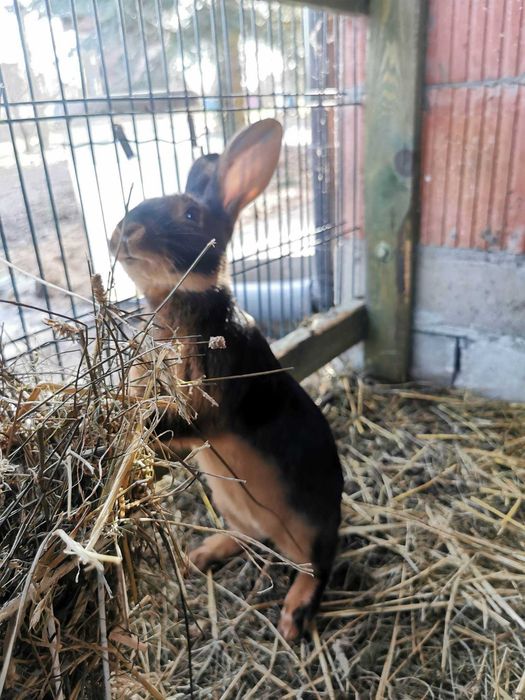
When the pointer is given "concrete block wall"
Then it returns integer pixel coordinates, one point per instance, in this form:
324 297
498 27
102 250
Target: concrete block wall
469 321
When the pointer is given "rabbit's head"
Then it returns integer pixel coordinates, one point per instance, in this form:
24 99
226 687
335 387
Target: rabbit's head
159 240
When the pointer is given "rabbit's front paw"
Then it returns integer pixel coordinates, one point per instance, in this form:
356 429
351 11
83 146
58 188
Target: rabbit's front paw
215 548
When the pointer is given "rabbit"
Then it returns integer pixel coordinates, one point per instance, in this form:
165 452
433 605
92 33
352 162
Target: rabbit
272 463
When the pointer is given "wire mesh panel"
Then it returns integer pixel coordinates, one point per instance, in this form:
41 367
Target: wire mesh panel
107 103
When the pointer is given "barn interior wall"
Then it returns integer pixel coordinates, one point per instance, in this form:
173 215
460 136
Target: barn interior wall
469 316
469 321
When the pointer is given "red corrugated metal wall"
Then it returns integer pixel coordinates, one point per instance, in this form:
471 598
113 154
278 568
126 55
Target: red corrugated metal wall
473 169
473 185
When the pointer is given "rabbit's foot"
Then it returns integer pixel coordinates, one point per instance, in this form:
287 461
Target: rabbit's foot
299 606
215 548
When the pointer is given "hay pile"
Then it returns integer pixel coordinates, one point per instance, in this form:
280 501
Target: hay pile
76 479
427 599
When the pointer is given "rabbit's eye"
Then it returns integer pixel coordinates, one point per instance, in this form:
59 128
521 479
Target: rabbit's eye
192 214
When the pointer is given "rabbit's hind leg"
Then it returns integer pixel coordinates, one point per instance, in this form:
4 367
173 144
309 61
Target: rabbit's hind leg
300 604
303 599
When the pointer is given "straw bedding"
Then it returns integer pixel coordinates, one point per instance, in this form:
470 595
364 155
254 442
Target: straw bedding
427 595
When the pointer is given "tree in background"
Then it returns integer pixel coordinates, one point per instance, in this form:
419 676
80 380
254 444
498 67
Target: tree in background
224 50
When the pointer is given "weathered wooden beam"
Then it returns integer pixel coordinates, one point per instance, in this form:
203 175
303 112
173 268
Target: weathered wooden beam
327 335
394 75
343 6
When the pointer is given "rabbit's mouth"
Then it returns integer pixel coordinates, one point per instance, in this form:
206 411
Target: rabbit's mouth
123 242
125 256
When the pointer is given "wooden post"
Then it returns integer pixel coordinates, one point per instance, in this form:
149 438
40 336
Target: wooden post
394 75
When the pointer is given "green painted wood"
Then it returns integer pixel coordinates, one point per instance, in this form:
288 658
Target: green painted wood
343 6
394 76
325 336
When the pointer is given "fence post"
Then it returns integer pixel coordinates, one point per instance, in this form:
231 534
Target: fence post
394 76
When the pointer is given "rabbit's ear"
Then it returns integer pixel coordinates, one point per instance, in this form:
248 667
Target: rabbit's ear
247 164
201 174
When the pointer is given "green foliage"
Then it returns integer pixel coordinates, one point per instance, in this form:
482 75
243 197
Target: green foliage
162 38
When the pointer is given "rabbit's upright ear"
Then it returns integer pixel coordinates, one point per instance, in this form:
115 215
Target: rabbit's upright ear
247 164
202 173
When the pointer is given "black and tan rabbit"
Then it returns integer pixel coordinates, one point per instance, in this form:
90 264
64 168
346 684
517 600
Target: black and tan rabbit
264 430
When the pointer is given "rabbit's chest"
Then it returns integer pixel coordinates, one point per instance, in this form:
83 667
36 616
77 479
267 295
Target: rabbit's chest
249 492
177 372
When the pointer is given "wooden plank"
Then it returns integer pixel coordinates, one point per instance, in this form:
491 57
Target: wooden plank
327 335
344 6
394 76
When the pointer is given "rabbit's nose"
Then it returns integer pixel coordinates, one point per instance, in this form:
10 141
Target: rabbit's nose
131 231
124 235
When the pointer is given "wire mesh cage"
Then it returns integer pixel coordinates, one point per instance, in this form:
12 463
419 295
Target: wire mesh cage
107 103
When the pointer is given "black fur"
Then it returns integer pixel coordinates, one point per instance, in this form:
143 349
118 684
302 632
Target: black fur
180 239
272 412
201 174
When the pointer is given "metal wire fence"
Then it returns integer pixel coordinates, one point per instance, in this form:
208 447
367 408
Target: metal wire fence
106 103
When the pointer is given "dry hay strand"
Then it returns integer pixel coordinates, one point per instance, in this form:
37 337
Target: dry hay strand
427 595
78 510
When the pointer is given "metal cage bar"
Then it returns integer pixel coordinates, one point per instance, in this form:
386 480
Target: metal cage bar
125 96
